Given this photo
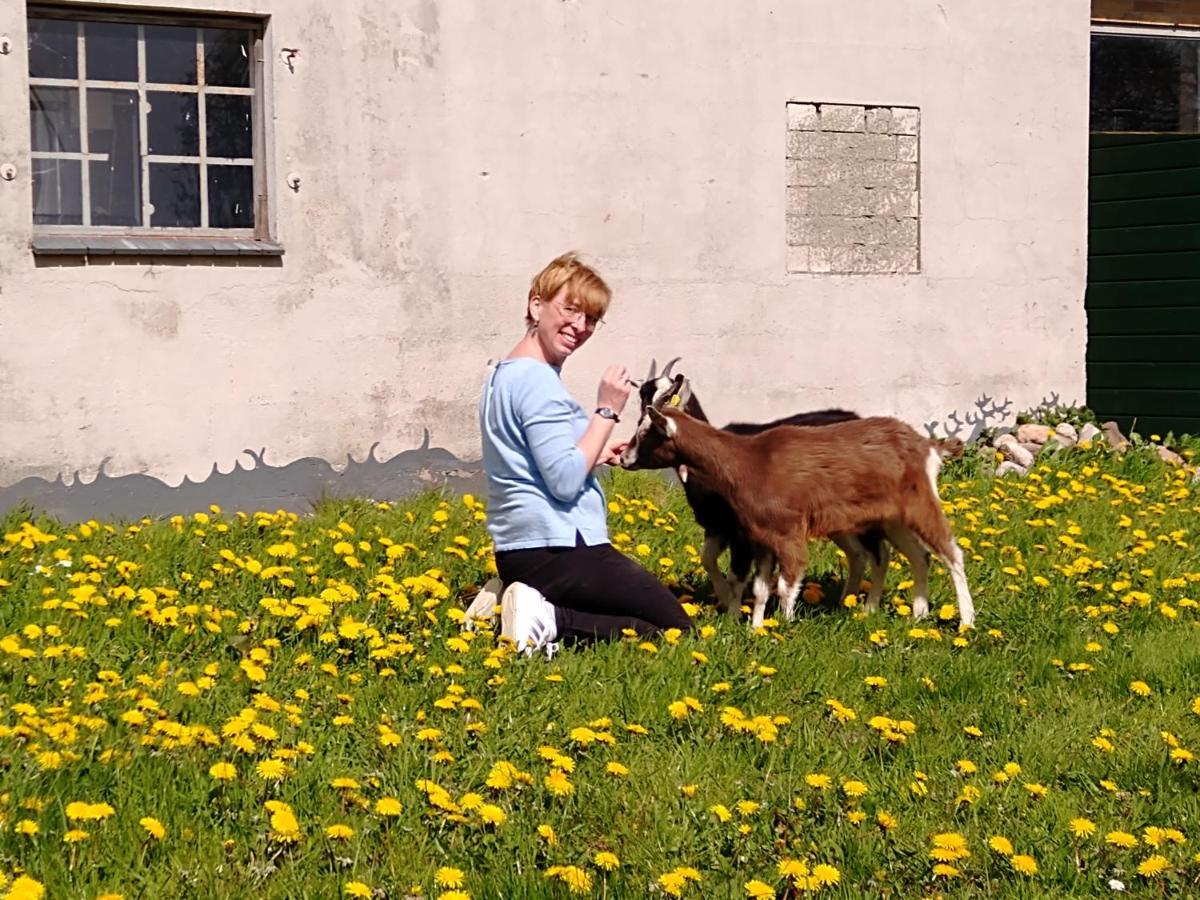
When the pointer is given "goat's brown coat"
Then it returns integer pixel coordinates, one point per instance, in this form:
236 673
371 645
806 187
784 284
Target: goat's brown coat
824 480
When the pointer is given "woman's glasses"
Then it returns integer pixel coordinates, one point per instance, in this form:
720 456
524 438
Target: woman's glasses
574 314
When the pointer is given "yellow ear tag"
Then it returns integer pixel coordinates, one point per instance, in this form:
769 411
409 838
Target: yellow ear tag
675 400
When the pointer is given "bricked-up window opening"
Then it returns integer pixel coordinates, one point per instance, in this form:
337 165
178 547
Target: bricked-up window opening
853 197
144 124
1145 84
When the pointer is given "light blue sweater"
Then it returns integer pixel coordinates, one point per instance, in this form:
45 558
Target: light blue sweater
540 491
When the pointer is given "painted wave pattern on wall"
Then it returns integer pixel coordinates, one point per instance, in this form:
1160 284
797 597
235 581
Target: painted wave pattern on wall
295 487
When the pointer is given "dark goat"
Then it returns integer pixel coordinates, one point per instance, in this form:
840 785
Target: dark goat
788 484
714 515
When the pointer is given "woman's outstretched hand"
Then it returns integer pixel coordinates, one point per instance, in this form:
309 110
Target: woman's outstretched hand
614 388
611 454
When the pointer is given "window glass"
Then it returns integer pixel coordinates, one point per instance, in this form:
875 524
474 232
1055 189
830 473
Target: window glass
175 195
228 123
149 164
226 57
57 192
54 118
231 196
1144 84
170 54
115 180
111 49
53 48
173 124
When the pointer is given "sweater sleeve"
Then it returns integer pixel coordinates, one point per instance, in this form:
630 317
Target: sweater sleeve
546 416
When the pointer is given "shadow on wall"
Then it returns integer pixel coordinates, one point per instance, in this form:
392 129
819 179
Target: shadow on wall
295 487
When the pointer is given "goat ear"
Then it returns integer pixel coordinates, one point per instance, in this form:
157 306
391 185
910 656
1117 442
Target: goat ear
681 392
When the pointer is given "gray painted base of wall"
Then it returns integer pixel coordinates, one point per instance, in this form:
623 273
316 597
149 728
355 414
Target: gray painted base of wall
295 487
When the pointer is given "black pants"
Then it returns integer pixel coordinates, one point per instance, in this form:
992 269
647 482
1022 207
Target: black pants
596 591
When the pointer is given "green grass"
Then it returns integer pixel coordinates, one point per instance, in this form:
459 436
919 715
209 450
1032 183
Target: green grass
1092 540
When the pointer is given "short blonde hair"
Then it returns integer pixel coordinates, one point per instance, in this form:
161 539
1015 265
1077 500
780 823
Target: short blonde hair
585 288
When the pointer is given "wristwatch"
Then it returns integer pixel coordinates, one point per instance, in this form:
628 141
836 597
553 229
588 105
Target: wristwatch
606 412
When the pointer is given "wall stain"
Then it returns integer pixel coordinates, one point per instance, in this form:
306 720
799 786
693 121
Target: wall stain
295 487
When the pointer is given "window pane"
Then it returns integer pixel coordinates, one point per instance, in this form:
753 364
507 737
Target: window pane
173 124
57 192
170 54
227 121
115 183
226 57
54 119
1144 84
111 49
175 194
53 49
231 196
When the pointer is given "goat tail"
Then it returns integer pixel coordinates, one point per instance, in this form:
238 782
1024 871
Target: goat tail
949 448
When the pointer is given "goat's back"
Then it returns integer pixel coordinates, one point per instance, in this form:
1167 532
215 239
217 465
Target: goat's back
804 419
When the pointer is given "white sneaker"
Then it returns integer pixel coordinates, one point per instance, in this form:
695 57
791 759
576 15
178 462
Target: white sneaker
527 619
483 607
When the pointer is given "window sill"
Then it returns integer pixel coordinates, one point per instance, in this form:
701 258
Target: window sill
99 245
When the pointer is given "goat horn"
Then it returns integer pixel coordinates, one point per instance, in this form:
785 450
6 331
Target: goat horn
670 365
653 369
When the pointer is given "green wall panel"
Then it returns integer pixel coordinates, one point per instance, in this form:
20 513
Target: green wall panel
1143 297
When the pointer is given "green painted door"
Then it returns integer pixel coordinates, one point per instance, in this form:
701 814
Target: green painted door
1143 293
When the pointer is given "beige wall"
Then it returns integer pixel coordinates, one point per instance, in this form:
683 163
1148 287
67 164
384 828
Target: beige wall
447 150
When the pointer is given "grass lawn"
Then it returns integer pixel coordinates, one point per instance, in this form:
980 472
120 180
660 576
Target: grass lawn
267 705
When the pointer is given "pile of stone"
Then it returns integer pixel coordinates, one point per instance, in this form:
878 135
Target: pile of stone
1022 447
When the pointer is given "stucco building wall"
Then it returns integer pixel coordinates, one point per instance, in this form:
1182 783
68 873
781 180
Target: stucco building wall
446 151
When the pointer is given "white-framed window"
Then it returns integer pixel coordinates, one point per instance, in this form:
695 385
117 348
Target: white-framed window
146 125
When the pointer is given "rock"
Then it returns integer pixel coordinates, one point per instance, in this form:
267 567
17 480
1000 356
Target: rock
1067 430
1015 453
1113 435
1064 436
1030 433
1170 457
1002 439
1035 449
1008 466
1088 432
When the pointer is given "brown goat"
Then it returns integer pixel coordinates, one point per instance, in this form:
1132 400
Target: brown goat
789 484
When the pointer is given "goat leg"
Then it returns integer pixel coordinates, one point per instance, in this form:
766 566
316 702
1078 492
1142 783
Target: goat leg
793 563
762 588
879 565
714 546
855 557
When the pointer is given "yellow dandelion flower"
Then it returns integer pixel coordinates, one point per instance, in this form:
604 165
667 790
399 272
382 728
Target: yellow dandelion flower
1024 863
388 806
155 828
606 860
1001 845
1082 827
1152 866
339 832
450 877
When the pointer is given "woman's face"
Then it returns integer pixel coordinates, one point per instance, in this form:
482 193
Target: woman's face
562 328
